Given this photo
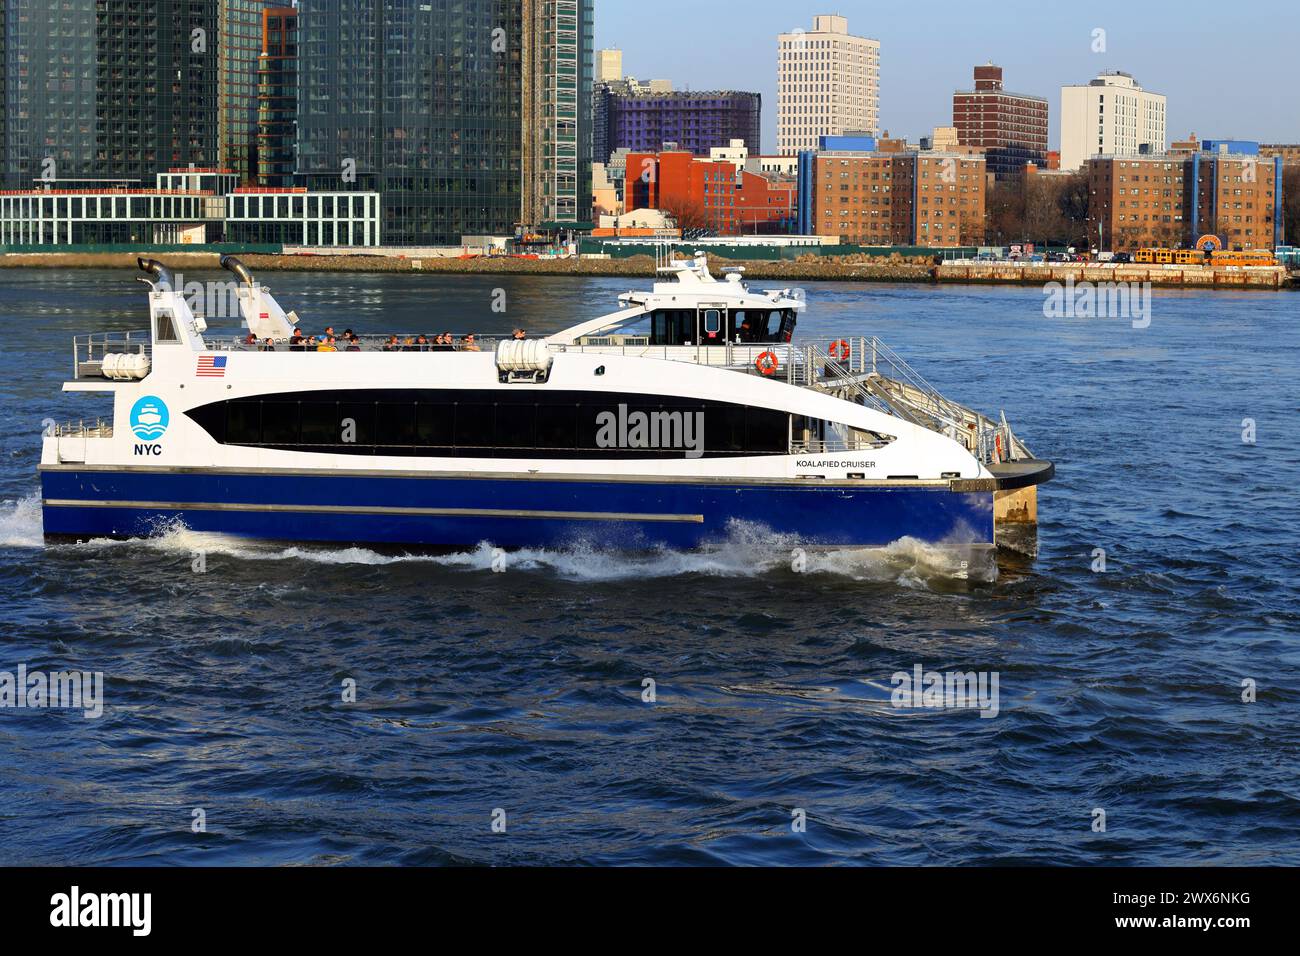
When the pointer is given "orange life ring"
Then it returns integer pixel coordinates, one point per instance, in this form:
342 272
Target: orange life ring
840 350
767 363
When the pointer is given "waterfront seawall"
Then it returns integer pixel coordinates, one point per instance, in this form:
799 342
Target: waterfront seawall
853 268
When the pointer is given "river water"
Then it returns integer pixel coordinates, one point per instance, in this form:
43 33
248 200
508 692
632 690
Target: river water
519 697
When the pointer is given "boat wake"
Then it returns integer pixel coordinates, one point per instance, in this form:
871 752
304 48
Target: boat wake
747 550
20 523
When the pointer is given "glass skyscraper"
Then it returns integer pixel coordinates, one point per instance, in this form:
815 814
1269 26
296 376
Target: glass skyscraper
50 79
470 117
124 89
421 100
156 89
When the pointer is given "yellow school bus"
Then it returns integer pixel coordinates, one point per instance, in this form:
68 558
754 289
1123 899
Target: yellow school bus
1246 257
1145 255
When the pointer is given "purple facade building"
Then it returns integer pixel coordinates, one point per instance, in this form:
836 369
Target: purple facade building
643 122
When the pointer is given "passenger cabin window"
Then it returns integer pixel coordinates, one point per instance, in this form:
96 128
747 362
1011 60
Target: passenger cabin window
742 326
479 423
165 328
672 327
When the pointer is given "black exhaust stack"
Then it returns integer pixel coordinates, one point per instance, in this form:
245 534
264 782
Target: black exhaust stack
156 269
231 264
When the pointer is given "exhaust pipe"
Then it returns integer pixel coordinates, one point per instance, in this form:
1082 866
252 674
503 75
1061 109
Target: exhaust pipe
157 270
231 264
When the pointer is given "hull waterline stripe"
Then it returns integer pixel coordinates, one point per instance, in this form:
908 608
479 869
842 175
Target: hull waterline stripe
373 510
939 484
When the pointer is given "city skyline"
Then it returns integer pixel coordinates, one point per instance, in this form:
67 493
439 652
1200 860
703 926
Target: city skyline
1044 46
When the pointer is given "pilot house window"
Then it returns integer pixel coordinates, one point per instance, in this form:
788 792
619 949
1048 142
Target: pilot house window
165 328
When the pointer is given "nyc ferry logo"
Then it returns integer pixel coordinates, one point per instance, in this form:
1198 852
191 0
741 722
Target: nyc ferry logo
149 420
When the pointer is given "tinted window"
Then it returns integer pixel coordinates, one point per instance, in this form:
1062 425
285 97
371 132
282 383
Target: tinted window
244 422
479 423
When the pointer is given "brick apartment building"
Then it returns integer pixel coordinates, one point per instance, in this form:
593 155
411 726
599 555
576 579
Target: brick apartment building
1011 128
1173 199
899 198
713 195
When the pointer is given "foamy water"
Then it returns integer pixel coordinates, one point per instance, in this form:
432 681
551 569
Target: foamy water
20 523
748 550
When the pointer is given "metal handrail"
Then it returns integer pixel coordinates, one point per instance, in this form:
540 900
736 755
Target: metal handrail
79 429
366 343
85 361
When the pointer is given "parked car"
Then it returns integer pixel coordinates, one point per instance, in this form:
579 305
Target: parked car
1123 257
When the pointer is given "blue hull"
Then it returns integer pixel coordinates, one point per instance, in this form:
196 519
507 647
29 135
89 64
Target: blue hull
510 513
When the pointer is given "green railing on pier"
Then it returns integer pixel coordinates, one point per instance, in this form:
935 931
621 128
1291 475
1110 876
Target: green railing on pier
741 251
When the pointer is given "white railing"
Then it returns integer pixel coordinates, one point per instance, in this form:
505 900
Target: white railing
88 350
82 429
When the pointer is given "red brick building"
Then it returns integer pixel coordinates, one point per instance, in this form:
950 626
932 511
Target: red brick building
715 196
900 198
1010 127
1171 200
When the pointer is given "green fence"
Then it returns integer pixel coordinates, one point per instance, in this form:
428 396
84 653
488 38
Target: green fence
623 250
133 248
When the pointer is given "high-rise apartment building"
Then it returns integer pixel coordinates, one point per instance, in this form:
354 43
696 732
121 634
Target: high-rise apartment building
1011 128
643 120
1110 116
121 90
557 135
609 66
400 97
609 91
828 82
50 77
156 90
277 97
238 48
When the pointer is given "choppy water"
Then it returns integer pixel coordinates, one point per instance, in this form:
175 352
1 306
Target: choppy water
523 691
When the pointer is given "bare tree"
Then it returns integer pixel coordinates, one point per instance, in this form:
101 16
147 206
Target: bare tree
689 215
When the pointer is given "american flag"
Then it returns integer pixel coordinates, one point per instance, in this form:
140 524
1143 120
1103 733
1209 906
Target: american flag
211 366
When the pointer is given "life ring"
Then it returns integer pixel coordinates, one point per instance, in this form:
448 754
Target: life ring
840 350
767 363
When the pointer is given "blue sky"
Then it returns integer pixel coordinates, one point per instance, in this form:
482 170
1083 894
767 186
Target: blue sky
1229 70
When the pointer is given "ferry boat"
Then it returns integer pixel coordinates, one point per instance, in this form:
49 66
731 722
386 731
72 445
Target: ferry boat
690 409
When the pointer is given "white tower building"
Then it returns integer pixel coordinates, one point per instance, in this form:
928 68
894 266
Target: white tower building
828 83
1110 116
